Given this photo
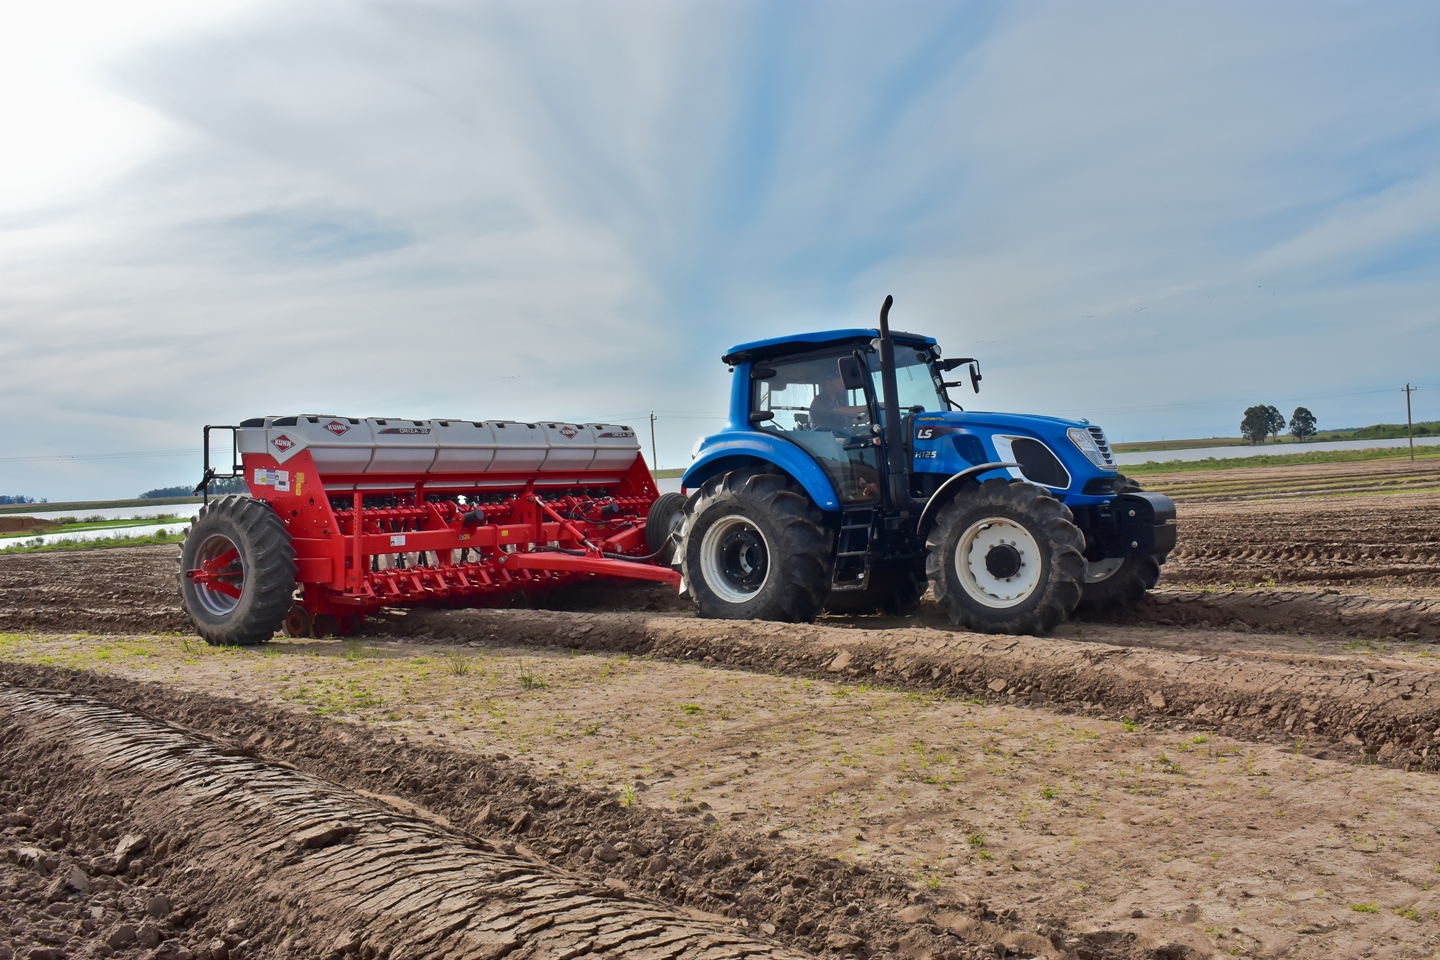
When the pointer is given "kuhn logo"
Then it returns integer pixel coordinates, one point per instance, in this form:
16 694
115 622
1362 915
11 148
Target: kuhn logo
337 428
282 443
569 432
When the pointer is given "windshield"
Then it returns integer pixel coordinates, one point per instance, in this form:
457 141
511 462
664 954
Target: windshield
915 383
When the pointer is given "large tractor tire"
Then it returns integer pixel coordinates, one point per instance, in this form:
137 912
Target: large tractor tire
662 524
895 593
755 547
237 572
1119 583
1006 558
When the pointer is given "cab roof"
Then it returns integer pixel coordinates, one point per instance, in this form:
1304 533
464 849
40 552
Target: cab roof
756 349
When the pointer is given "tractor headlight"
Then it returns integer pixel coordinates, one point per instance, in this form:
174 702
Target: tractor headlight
1082 439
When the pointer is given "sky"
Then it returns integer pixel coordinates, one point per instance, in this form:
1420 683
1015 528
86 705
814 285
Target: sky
1150 215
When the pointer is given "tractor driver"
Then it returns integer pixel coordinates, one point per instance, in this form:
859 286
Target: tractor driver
828 410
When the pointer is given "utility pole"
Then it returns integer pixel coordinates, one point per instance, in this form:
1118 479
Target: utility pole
1409 423
655 458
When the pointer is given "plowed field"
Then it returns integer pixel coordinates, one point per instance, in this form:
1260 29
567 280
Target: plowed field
1245 766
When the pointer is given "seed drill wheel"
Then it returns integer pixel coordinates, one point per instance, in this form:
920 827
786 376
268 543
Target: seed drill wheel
298 623
237 571
1119 583
1006 558
755 548
664 520
332 625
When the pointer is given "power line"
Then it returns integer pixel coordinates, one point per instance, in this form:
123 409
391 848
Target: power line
137 455
1409 424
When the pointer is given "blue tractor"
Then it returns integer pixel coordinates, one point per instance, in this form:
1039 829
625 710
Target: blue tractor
847 480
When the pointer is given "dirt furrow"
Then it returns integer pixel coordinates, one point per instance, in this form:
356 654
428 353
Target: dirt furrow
132 591
1290 611
284 831
689 859
1385 714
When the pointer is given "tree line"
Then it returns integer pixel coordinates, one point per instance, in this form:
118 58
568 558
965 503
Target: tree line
219 485
1263 421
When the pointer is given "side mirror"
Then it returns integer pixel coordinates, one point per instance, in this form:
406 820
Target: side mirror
851 373
975 377
954 362
760 416
762 373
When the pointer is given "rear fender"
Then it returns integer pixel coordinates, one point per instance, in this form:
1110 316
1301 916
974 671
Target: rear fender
754 447
951 488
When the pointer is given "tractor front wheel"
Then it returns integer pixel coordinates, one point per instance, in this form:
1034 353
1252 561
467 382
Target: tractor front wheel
237 572
1119 583
1006 558
755 548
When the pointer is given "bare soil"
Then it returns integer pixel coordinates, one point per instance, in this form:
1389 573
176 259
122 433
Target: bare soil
1352 480
1242 766
318 858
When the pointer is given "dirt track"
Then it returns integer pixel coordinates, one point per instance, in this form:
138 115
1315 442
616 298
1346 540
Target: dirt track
1222 771
322 858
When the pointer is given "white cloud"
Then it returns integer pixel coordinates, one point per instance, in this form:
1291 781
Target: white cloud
572 208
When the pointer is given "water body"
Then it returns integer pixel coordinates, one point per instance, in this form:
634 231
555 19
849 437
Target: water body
182 510
1230 453
135 531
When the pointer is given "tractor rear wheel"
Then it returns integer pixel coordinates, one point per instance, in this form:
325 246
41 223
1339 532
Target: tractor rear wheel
1119 583
1006 558
895 593
237 572
754 547
666 515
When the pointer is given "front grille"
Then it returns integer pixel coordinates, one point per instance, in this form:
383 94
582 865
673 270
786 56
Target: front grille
1104 446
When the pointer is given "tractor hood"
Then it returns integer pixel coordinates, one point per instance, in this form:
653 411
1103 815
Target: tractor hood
1070 457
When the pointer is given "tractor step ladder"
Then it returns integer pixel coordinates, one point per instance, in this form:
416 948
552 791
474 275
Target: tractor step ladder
852 555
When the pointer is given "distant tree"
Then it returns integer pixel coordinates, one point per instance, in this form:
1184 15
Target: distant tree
1274 421
222 485
1302 424
18 498
1256 425
166 492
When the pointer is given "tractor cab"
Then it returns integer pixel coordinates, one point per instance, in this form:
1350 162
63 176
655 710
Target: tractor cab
827 399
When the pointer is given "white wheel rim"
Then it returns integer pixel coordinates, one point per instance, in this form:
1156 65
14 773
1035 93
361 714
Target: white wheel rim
1103 569
734 559
214 602
975 577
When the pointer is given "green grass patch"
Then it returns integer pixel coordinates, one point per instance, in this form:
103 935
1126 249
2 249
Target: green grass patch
80 526
145 540
1376 431
1278 460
